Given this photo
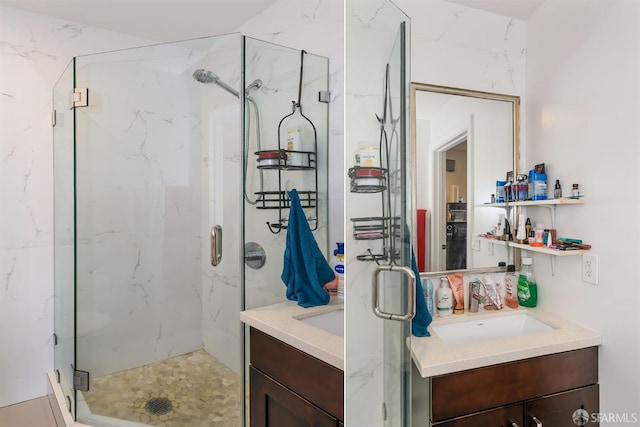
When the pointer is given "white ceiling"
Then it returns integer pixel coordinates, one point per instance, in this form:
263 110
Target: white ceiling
160 20
169 20
519 9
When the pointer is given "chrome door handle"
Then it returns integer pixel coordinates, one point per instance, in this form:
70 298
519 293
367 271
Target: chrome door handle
216 245
411 309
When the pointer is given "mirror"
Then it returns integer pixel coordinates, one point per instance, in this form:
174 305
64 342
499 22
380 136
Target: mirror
463 141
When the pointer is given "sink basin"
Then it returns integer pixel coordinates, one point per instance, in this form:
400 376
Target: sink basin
331 321
489 328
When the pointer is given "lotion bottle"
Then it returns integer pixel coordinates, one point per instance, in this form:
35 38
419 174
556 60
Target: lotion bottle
444 298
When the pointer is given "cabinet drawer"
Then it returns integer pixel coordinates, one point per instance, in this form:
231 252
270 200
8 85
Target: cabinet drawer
466 392
309 377
558 409
505 416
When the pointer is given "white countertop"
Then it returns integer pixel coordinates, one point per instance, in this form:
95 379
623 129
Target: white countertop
433 357
280 321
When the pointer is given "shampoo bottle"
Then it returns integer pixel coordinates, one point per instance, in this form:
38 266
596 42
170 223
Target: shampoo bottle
428 296
338 268
444 298
527 287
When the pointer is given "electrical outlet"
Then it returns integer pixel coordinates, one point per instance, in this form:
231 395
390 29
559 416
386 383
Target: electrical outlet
489 248
590 268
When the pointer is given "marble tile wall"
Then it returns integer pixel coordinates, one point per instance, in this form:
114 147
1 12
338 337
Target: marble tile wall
34 50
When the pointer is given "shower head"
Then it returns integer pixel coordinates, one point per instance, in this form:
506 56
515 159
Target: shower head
204 76
207 76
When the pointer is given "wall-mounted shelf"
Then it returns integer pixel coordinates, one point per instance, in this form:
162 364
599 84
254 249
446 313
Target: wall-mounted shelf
544 250
550 204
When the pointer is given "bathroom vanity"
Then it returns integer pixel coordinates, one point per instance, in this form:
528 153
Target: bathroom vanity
515 381
296 372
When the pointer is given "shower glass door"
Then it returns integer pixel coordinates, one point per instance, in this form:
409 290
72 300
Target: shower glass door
397 294
64 242
157 166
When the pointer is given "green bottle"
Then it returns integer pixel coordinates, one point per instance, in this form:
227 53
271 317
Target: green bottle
527 287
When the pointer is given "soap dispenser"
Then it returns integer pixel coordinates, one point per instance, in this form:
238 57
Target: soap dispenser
444 298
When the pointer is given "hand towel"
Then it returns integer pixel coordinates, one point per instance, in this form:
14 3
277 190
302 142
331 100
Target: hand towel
422 319
305 270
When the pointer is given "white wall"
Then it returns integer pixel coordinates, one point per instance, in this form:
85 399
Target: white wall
583 79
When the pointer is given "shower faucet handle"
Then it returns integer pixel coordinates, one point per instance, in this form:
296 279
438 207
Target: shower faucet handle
216 245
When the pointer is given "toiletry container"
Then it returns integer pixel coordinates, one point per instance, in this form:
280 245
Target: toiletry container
522 188
338 268
294 143
369 157
427 288
530 185
575 191
508 191
527 287
500 191
510 287
557 190
539 186
444 298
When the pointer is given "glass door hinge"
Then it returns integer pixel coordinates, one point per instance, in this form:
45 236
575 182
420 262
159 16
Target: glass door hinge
81 380
324 96
55 339
81 97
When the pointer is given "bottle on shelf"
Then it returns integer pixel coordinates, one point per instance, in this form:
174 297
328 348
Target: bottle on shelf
557 190
527 286
575 191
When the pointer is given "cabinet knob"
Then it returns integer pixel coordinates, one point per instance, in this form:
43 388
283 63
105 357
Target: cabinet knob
536 421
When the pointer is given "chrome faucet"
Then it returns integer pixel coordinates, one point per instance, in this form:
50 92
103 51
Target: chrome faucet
475 299
491 295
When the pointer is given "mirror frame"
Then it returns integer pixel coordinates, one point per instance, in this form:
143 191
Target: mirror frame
513 99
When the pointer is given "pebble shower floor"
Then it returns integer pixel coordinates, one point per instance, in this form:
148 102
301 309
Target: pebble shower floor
202 393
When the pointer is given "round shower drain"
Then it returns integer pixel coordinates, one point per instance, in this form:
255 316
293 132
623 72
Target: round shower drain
158 406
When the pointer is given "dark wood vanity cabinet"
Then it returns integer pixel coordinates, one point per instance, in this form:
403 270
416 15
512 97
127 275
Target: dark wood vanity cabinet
545 390
291 388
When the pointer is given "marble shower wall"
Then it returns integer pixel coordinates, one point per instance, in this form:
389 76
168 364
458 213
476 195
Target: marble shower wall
34 50
317 27
139 197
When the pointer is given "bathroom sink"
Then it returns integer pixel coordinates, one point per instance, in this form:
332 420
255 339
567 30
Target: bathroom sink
489 328
331 321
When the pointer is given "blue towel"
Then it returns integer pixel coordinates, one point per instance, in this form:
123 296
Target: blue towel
422 319
305 270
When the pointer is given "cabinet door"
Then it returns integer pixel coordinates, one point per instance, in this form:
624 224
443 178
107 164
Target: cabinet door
559 410
504 416
273 405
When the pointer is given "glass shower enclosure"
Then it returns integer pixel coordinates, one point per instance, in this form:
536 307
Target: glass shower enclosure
159 201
